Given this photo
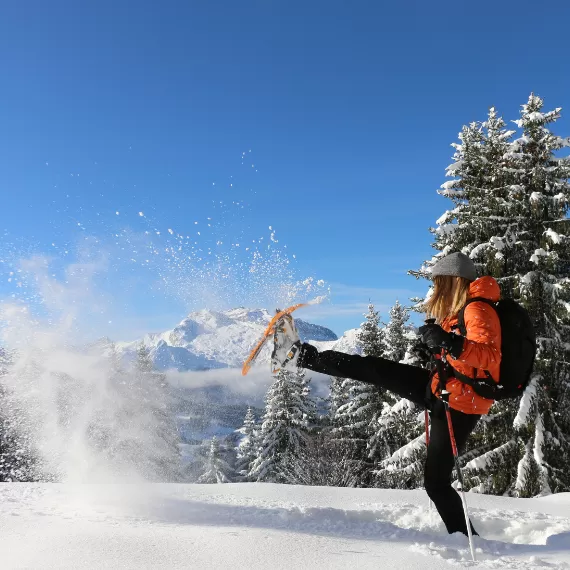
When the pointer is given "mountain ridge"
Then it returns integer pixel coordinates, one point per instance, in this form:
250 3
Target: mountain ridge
207 339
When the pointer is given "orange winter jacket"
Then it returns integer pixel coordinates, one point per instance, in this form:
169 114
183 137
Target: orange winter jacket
481 351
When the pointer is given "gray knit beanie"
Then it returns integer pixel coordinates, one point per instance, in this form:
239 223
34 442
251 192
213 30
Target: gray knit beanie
456 265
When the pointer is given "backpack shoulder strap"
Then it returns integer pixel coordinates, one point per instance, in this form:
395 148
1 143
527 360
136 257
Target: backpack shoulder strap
461 315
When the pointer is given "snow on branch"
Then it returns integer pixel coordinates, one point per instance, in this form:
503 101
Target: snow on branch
526 404
481 462
407 451
555 237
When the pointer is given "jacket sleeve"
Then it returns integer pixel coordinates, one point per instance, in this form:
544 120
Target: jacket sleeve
482 345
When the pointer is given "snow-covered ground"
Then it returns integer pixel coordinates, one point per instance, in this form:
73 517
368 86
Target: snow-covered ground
268 526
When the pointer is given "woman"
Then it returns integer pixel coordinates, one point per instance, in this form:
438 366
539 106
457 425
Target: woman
472 355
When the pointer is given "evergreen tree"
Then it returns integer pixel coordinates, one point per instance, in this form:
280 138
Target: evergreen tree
479 191
352 419
343 441
285 426
511 200
395 337
533 268
5 362
327 458
453 227
362 404
402 425
247 447
145 432
339 396
158 399
217 469
101 430
322 461
370 337
355 422
309 405
19 460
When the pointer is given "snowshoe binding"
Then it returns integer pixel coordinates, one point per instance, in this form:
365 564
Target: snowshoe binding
286 345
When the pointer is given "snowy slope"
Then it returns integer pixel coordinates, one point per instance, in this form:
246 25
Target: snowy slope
268 526
209 339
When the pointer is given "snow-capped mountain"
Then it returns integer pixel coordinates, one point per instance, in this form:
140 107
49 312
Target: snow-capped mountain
210 339
346 343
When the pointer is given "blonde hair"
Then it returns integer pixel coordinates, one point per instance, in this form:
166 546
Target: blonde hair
448 298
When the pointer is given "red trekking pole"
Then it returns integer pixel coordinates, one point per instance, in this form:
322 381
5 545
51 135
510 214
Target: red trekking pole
440 363
426 417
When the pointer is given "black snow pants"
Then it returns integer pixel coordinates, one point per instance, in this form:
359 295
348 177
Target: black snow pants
409 382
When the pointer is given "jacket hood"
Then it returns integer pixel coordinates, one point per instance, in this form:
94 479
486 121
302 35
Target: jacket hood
485 287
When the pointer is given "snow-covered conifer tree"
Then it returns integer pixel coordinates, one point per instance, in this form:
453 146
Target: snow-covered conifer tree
395 337
535 269
355 419
145 435
510 216
101 431
217 469
284 428
402 427
400 423
479 190
19 458
247 447
345 444
370 337
338 396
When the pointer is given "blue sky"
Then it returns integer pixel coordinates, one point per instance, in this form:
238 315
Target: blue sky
328 121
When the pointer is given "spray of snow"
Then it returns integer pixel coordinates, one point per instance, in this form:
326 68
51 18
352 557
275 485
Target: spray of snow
63 377
77 408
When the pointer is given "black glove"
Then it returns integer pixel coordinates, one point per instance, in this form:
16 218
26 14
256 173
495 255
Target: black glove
421 353
435 338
